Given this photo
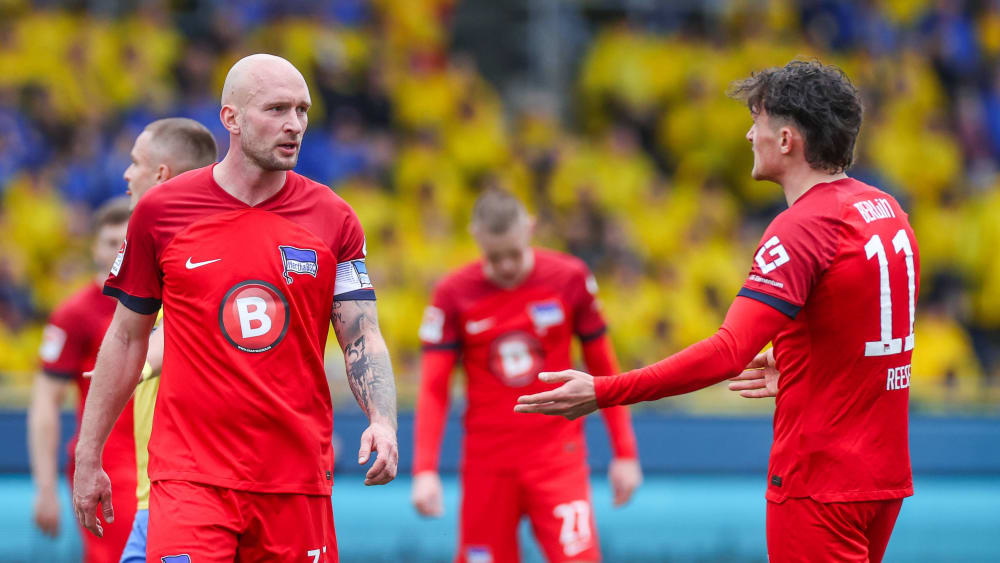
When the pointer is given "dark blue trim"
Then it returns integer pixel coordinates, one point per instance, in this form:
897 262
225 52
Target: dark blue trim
366 294
593 335
141 305
60 375
779 304
442 346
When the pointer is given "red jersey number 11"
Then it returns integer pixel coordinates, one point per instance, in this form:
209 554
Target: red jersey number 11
888 345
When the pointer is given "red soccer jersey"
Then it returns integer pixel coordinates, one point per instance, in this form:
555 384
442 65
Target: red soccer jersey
247 294
69 348
842 261
506 337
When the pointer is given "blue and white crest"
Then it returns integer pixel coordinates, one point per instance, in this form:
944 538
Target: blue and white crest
546 314
185 558
298 261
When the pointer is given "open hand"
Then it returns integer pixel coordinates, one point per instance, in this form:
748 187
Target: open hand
575 398
759 379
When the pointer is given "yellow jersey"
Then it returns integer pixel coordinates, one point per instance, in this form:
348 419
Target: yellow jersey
142 404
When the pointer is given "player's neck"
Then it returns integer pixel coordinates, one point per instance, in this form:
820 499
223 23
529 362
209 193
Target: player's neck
797 181
245 180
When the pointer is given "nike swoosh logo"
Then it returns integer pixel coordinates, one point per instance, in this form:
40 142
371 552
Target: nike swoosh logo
192 265
475 327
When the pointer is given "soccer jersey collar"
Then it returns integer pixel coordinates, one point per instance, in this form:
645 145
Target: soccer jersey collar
819 186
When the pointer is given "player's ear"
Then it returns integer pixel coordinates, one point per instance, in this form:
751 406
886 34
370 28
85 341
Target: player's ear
785 138
228 115
162 173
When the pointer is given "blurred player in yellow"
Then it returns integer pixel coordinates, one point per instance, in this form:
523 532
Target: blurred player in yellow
166 148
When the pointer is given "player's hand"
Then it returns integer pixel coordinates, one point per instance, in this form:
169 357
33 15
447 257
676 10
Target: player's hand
625 476
759 379
379 437
427 494
92 487
47 512
575 398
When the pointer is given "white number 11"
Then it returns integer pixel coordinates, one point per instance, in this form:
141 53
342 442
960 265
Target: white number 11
888 345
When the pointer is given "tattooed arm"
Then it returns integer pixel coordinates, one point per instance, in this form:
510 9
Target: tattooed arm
369 373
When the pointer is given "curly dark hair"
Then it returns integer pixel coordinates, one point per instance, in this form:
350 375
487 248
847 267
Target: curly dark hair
819 99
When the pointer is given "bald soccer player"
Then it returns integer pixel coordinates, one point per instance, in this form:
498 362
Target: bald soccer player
164 149
251 262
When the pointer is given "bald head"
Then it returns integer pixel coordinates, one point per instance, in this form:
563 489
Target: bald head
264 105
254 74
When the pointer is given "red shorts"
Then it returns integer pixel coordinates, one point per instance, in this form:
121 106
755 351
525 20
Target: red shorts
801 529
202 523
108 549
558 503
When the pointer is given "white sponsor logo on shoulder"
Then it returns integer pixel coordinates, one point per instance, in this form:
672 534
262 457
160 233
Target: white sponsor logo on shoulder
119 259
432 327
53 340
774 250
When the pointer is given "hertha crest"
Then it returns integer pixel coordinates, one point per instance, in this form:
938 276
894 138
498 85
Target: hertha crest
298 261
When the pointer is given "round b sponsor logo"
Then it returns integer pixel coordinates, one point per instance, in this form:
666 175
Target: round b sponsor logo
516 358
254 316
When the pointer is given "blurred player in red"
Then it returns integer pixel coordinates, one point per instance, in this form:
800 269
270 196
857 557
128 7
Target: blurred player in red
834 286
510 316
252 263
69 347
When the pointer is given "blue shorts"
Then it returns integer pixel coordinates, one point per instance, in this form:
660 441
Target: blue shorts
135 547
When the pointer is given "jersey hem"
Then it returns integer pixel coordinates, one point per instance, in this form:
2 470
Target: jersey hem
851 496
240 485
141 305
781 305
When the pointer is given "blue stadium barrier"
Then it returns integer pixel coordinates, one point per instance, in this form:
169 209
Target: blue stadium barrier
674 443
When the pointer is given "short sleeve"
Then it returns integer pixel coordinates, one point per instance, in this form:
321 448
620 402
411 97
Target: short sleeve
64 347
135 278
353 282
793 254
439 329
588 322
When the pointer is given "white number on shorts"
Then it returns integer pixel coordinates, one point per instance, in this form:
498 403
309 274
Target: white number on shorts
887 345
575 535
315 553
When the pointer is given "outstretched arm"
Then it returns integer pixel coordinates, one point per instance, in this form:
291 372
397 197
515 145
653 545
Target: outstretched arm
369 373
749 325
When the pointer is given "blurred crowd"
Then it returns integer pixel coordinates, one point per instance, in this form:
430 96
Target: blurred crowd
645 176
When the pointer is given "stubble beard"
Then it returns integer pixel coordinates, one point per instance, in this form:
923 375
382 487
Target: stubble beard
265 158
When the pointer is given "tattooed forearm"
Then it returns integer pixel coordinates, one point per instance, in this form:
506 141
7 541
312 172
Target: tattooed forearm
369 370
